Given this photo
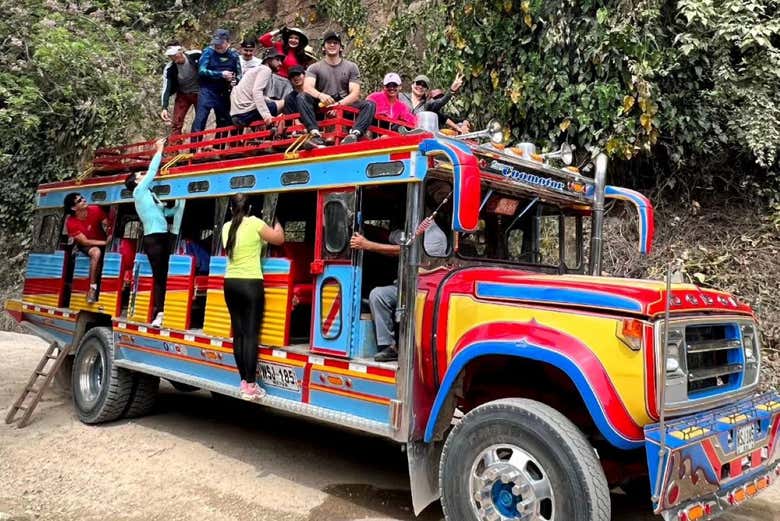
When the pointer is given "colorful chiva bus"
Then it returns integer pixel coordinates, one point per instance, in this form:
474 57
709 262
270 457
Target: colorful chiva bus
527 384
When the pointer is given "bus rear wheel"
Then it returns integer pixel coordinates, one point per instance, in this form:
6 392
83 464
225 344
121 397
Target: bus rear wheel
520 459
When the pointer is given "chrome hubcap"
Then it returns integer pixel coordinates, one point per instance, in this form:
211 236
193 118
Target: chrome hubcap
508 483
91 375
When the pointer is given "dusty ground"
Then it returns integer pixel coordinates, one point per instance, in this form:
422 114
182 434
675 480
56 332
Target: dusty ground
199 459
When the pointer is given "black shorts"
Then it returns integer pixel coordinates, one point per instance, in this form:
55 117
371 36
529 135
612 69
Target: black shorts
85 249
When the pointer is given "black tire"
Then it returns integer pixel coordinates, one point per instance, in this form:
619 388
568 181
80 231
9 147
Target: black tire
557 458
144 395
101 391
183 388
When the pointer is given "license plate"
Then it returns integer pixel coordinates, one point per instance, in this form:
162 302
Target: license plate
746 438
279 376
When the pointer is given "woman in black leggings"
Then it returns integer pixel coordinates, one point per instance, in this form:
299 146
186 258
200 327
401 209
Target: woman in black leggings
157 240
242 239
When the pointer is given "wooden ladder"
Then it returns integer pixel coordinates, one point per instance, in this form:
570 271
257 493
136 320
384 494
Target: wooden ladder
30 389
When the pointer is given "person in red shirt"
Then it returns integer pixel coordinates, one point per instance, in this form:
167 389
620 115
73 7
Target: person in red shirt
87 225
292 44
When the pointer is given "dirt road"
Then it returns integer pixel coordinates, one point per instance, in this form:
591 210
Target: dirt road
196 458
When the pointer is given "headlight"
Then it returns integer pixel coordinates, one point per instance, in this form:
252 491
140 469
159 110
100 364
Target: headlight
751 345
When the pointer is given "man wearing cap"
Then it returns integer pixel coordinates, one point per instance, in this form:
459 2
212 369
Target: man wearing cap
180 77
278 87
296 77
218 70
248 101
388 104
417 100
248 58
334 81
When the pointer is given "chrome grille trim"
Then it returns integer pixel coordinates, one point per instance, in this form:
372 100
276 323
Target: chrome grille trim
678 400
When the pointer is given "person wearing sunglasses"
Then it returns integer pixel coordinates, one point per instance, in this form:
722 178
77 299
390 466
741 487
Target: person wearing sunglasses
388 104
86 225
417 100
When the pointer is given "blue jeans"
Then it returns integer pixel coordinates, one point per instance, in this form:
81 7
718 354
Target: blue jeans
247 118
209 99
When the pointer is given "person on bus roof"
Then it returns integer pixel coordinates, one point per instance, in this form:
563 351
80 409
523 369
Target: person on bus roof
417 100
157 239
180 78
242 238
333 81
387 102
87 225
248 58
292 46
219 69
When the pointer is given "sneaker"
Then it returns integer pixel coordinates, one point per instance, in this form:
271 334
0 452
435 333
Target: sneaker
157 322
314 142
92 295
388 354
350 138
253 392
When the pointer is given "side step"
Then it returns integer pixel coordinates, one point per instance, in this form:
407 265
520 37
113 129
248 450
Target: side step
38 383
301 409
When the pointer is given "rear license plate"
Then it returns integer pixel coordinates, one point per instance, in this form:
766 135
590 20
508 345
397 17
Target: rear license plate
746 437
279 376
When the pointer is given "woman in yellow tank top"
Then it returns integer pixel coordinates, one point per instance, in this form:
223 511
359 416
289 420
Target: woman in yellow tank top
243 239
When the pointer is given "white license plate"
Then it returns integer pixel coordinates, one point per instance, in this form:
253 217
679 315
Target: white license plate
746 438
279 376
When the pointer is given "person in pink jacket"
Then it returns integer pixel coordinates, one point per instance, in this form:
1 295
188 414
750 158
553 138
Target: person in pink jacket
292 44
388 104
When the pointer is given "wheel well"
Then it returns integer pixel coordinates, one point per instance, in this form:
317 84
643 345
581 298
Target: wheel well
86 321
493 377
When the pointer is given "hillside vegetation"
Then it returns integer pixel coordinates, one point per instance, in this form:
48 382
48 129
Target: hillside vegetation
681 94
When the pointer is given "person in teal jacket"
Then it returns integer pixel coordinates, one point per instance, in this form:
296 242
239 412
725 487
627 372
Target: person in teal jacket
157 239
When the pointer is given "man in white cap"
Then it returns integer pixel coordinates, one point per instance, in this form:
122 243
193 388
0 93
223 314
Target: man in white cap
180 78
418 99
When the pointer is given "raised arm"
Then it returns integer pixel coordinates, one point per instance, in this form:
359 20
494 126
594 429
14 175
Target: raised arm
154 166
273 235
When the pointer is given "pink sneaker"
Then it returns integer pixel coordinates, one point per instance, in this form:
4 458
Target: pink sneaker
255 392
242 387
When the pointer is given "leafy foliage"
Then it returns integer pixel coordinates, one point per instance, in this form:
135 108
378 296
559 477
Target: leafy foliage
72 78
670 89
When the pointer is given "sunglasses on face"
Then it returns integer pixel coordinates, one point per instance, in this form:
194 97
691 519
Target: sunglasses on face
80 199
391 86
421 84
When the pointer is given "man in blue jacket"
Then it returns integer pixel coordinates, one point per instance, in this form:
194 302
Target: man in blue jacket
219 70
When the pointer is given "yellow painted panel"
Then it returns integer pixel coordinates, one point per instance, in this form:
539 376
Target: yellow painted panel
108 303
141 310
175 313
624 366
217 320
275 317
43 299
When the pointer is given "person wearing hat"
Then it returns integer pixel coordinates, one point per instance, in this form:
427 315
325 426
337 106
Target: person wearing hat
248 99
387 102
248 58
180 77
418 100
292 45
219 68
333 81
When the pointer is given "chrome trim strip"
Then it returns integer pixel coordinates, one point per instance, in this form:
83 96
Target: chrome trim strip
300 409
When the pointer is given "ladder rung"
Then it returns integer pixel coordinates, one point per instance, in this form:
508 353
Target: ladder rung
33 389
40 373
21 407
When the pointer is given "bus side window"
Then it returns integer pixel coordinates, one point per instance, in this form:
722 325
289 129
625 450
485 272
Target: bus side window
46 237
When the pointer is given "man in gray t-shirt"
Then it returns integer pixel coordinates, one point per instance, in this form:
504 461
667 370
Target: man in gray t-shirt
334 81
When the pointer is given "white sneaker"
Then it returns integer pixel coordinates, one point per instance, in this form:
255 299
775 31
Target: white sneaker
157 322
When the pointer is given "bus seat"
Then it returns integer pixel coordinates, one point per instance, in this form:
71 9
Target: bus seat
301 255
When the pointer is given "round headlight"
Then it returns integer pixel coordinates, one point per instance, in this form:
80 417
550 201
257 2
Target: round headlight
567 154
